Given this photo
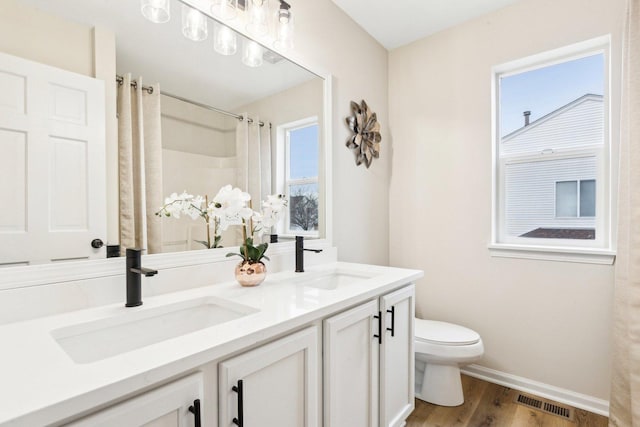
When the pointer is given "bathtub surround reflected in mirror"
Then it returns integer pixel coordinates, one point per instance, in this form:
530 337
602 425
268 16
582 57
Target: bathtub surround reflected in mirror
202 94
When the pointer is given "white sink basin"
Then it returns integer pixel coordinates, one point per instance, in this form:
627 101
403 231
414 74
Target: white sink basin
332 280
136 328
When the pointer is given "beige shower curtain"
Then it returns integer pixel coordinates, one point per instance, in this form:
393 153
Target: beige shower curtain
140 162
253 151
625 387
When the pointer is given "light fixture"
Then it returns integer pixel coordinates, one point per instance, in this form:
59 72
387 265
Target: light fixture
225 9
194 24
156 11
258 11
284 27
225 40
251 53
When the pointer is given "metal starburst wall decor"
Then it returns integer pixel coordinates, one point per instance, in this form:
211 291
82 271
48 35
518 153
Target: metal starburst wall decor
366 138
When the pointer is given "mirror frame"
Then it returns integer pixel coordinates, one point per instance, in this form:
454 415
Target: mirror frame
43 274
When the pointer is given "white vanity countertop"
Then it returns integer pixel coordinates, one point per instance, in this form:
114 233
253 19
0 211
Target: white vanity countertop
41 384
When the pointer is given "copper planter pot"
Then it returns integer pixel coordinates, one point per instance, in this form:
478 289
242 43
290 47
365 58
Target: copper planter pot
250 273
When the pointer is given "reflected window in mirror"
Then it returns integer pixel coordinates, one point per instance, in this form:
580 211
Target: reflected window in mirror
297 169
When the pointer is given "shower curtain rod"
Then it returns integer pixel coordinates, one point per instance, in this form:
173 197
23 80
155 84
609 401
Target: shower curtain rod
149 89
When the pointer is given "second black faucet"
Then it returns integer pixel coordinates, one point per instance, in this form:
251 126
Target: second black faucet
300 253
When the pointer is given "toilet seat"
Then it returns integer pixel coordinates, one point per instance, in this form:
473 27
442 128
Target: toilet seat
443 333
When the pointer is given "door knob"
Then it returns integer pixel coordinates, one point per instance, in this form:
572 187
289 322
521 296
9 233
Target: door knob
96 243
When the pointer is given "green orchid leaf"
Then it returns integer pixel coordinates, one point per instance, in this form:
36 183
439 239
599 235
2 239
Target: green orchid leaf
253 253
262 248
203 243
230 254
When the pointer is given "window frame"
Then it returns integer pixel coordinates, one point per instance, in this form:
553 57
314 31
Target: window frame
599 250
283 176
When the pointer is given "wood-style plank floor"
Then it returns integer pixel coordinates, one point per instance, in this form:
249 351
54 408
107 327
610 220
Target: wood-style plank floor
492 405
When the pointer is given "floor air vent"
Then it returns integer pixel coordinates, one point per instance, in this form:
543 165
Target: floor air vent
531 402
560 411
545 406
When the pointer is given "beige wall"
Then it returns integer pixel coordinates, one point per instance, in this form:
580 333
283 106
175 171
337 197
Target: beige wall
296 103
542 320
328 41
32 34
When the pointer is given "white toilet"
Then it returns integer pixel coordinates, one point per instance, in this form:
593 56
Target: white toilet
441 348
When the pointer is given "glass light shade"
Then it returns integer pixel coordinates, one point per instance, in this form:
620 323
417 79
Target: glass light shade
194 24
251 53
225 40
225 9
258 11
284 30
157 11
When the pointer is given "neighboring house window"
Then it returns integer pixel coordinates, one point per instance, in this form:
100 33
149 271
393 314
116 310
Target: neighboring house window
298 165
552 150
576 198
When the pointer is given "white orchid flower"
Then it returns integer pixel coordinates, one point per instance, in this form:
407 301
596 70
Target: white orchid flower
276 202
193 207
231 203
271 213
176 204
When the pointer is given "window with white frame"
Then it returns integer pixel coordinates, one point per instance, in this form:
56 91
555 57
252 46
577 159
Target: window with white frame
552 150
297 169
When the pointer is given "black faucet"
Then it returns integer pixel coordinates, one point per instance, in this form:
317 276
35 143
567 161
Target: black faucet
300 253
134 272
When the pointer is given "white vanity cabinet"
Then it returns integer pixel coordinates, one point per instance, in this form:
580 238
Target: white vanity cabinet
275 385
177 404
305 356
369 362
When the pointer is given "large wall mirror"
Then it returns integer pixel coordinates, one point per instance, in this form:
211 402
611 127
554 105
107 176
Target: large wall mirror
220 110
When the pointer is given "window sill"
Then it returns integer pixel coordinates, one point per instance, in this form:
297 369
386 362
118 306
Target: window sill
548 253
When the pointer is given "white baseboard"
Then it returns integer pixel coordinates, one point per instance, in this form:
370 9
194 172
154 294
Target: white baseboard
561 395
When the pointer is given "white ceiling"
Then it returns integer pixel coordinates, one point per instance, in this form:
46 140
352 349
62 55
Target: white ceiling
395 23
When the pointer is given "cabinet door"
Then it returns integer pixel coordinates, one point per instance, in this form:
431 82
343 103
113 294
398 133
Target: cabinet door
351 350
167 406
397 357
275 385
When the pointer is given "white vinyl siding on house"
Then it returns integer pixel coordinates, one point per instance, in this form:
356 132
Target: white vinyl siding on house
575 125
534 158
531 193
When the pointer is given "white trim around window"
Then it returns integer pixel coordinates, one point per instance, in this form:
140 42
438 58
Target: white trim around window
600 250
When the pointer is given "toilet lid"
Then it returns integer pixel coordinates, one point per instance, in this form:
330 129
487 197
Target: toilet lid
444 333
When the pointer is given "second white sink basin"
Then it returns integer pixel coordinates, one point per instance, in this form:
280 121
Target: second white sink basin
332 280
96 340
